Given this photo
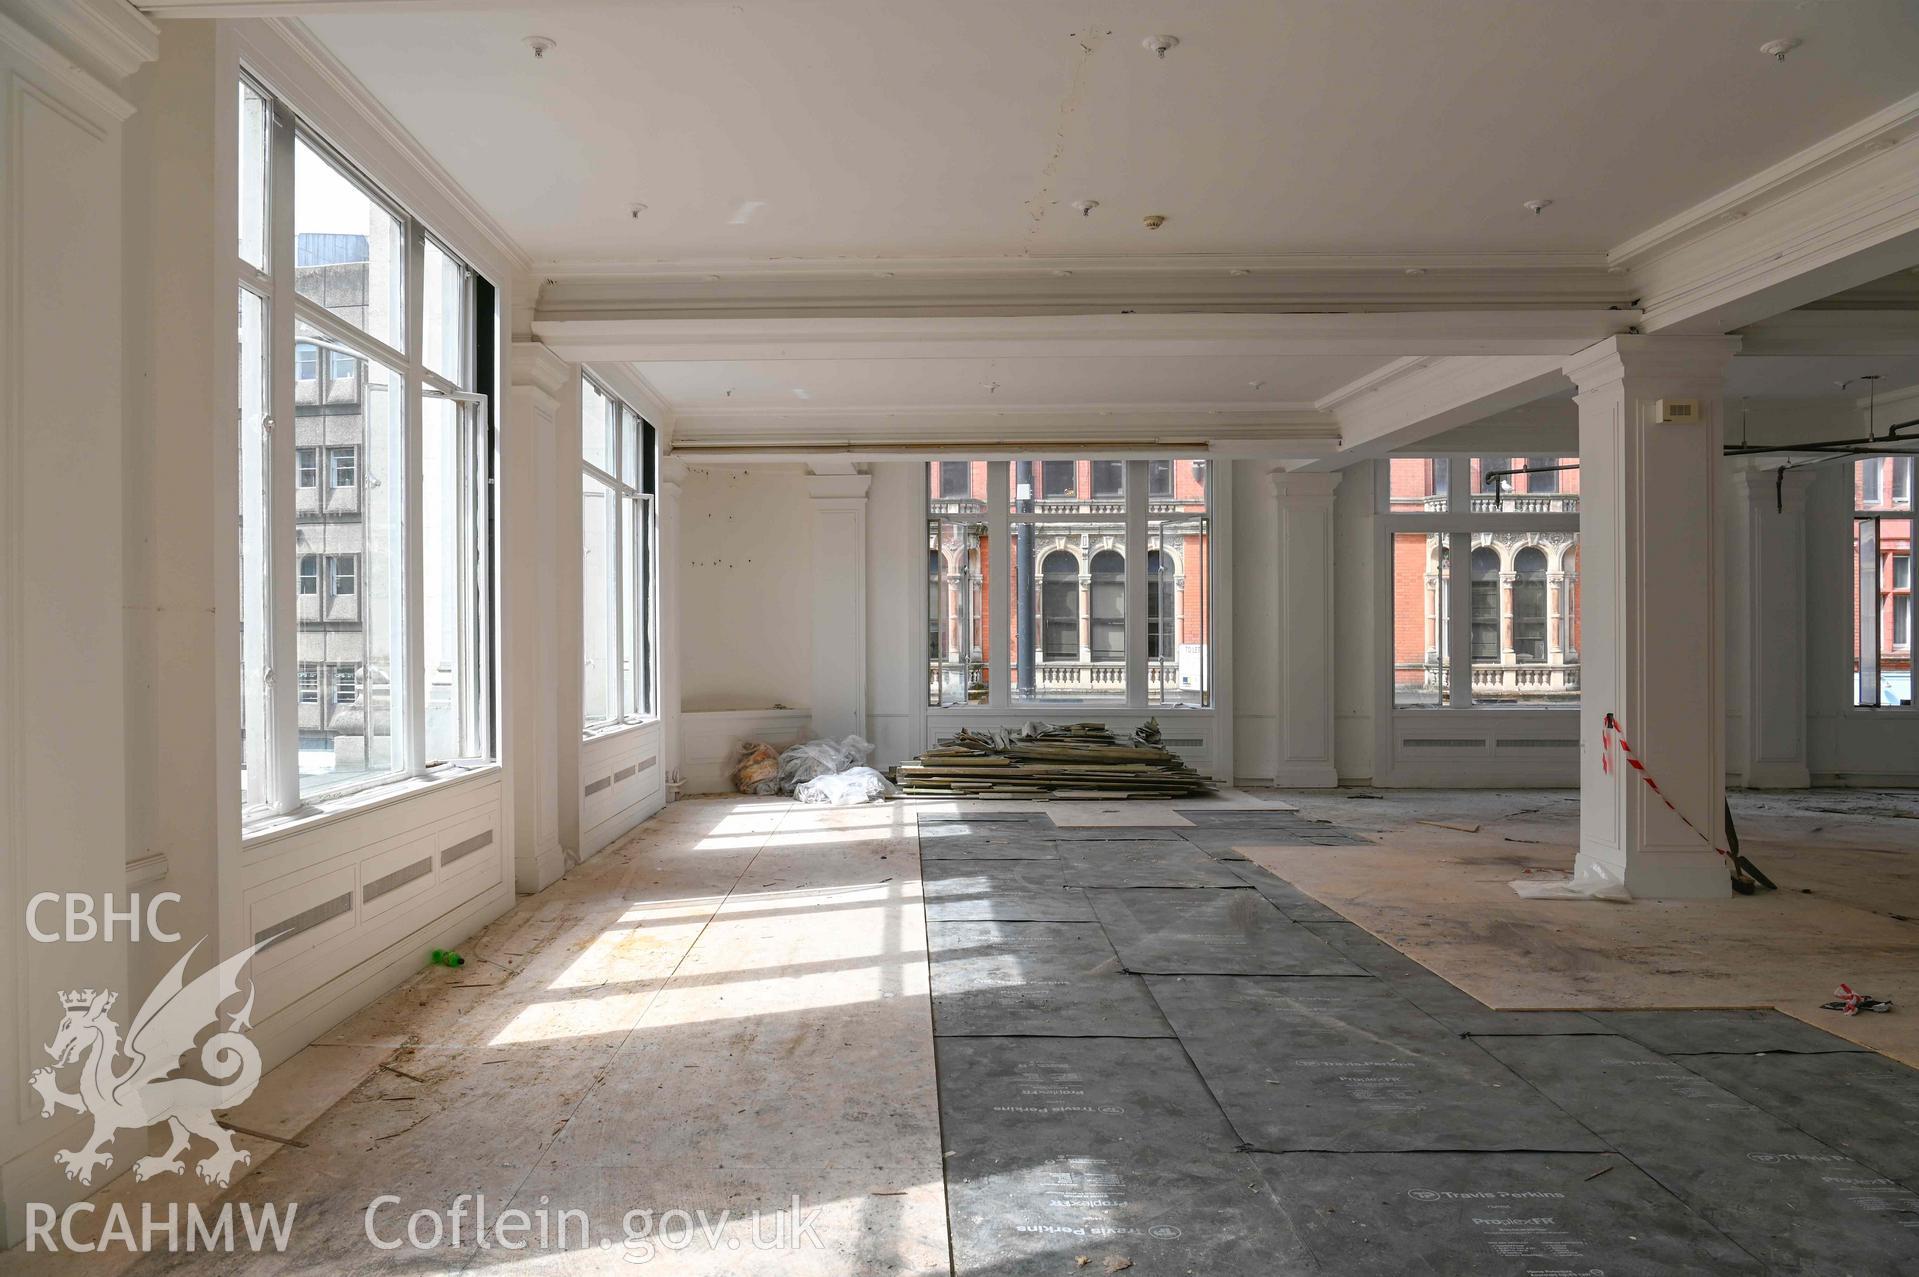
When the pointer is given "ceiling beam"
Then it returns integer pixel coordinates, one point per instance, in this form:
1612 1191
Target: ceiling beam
1434 397
1890 333
1836 215
1384 335
1079 285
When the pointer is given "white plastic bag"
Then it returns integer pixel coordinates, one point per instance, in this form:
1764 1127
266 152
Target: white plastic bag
1590 881
845 789
816 758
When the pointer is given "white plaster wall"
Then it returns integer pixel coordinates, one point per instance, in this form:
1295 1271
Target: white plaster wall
746 596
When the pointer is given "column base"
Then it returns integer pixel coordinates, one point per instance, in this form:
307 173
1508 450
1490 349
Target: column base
1306 776
1777 776
1663 875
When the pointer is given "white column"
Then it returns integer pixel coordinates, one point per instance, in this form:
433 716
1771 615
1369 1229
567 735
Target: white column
1650 616
1766 594
667 597
541 470
839 598
1305 561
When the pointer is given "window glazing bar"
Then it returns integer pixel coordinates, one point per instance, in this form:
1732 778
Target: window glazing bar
412 676
999 601
1135 608
283 714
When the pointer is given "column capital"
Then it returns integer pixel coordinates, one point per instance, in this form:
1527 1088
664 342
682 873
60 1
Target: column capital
834 484
1305 485
1774 488
1671 357
536 367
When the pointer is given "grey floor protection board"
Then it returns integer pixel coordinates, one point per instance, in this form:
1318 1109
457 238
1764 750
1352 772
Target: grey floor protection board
1226 932
1103 1148
1141 864
1344 1064
1491 1215
1292 902
1861 1103
1797 1204
981 847
1691 1032
1001 891
1048 979
1450 1005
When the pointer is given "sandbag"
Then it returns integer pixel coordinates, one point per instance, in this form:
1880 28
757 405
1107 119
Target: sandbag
815 758
845 789
756 768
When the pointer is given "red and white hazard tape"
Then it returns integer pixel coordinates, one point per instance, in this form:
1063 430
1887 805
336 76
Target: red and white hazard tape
1615 731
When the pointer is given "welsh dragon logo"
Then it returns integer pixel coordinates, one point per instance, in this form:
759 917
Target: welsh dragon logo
142 1093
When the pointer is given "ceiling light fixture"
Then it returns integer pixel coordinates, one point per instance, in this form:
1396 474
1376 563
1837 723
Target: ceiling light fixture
1161 44
1064 274
1085 207
541 46
1536 207
1778 49
1239 272
1415 270
1154 221
634 210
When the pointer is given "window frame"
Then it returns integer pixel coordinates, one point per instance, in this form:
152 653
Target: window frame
293 324
1127 532
1888 499
1455 516
641 576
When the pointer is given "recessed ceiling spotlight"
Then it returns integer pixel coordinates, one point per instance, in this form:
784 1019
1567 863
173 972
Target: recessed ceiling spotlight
1778 49
1536 207
541 45
1161 44
1257 385
1085 207
1415 270
1239 272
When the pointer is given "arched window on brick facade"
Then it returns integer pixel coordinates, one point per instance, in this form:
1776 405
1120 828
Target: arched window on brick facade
1485 585
1529 604
1059 607
1109 606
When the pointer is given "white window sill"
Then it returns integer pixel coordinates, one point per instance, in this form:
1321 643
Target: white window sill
616 730
332 809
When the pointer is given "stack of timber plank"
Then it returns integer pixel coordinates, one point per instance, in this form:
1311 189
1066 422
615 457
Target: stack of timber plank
1042 760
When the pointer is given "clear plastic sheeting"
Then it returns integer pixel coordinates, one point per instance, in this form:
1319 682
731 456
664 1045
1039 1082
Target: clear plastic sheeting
849 788
1589 881
815 758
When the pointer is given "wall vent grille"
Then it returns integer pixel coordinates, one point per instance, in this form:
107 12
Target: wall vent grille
305 920
398 878
1440 742
466 847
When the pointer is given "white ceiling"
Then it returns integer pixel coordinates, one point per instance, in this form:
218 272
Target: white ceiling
763 130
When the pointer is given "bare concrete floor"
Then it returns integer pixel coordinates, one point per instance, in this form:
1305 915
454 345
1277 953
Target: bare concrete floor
727 1015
